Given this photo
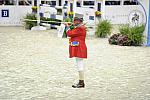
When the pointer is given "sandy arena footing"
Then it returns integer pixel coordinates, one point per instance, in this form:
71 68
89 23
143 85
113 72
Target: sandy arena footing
34 65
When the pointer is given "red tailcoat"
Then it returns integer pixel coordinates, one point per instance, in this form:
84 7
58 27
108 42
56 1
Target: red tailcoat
78 34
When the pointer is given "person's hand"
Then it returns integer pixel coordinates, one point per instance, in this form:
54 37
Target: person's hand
67 23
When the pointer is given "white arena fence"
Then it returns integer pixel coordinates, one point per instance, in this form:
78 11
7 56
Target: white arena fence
14 15
124 14
47 11
116 14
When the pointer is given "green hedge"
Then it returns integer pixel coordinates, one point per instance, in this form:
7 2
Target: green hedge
30 24
128 36
135 34
103 29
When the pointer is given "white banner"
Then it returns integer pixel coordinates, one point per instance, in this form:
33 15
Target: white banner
61 30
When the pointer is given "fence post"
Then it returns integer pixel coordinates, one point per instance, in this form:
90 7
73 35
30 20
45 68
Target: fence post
54 17
148 36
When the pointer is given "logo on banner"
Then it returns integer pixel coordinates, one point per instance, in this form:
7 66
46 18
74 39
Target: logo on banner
5 13
136 18
91 17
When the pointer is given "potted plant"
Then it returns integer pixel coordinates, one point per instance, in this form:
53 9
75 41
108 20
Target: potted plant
30 24
34 9
128 36
135 34
98 13
70 14
103 29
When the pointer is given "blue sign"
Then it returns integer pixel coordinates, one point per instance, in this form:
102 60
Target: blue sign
91 17
148 37
5 13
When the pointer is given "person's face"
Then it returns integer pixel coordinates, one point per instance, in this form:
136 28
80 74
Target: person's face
77 22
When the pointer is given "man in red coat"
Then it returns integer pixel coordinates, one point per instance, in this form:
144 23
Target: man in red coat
77 47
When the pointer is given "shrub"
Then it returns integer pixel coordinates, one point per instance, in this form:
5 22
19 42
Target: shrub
30 24
123 40
128 36
124 30
135 34
119 39
103 29
114 39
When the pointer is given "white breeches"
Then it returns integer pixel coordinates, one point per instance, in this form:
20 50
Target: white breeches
79 62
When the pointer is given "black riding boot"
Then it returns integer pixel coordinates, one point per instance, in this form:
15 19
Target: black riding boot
79 85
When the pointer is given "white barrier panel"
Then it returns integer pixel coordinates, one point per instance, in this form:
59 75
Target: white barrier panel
61 30
124 14
88 15
47 10
13 15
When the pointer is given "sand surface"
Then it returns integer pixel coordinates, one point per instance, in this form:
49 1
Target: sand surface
34 65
